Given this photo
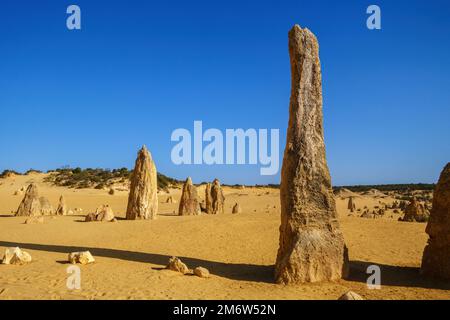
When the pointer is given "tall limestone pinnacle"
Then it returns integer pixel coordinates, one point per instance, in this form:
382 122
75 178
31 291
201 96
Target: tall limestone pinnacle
143 197
312 247
436 256
189 202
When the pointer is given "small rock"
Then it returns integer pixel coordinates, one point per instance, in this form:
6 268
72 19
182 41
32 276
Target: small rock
16 256
351 296
170 199
201 272
84 257
90 217
237 208
103 213
175 264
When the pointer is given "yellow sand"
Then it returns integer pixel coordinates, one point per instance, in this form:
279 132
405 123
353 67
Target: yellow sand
239 250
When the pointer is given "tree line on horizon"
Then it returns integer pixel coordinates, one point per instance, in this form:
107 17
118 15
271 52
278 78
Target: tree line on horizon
100 178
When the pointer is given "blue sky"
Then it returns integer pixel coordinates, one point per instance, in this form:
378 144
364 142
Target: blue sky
140 69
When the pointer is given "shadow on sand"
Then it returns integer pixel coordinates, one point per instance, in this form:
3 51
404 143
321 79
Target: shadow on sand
242 272
390 275
396 276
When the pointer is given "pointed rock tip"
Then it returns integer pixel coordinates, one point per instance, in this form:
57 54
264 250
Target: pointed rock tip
297 29
145 151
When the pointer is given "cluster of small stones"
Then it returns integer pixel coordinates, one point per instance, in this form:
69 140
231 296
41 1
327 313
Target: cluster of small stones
16 256
375 214
175 264
103 213
84 257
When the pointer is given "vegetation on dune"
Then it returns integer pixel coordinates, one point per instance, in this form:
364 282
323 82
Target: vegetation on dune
101 178
98 178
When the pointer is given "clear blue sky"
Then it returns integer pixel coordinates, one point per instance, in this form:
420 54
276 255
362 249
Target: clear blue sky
140 69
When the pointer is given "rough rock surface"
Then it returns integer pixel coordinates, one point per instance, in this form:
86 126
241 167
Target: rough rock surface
312 247
436 256
201 272
62 207
351 205
351 296
103 213
84 257
143 198
189 202
237 208
16 256
217 198
46 207
175 264
33 205
208 199
415 212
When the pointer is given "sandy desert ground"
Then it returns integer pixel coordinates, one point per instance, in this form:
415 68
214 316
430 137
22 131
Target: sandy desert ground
239 250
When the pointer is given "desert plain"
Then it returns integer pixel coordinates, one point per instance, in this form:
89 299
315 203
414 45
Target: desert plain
239 250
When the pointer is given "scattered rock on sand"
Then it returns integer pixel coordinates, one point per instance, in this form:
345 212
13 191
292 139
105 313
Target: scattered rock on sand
103 213
16 256
175 264
84 257
143 197
217 198
201 272
189 202
90 217
351 296
312 247
111 191
436 256
237 208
